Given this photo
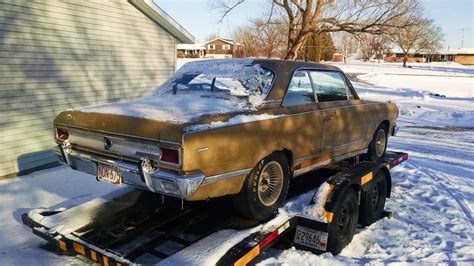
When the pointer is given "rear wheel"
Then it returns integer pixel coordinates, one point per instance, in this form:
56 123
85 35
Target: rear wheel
372 201
343 225
264 189
378 145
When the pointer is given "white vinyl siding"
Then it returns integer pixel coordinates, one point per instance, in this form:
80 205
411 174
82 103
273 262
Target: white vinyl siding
62 54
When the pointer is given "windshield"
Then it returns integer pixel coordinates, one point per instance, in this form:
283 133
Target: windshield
235 80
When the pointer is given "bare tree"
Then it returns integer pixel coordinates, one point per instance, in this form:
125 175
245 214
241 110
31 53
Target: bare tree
346 44
354 16
423 35
372 45
262 39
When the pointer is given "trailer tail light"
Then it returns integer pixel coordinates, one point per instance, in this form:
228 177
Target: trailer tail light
170 156
62 134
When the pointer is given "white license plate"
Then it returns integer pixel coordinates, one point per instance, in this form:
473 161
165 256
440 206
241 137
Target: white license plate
109 174
311 238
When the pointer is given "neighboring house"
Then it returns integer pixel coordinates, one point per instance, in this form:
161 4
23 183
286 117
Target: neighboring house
222 48
463 56
194 50
57 55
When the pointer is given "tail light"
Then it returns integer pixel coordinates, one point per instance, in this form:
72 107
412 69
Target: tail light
62 134
170 155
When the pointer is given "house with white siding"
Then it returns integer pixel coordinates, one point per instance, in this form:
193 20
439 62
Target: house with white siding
56 55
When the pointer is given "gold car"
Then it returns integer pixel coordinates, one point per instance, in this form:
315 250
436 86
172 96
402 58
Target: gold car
239 127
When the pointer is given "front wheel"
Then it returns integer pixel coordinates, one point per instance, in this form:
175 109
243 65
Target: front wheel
378 145
264 189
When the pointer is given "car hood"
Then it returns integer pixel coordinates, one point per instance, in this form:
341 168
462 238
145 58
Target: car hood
158 119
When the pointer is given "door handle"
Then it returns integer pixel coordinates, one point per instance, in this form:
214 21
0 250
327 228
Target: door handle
327 118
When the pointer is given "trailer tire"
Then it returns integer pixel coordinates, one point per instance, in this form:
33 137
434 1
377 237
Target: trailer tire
342 228
253 201
378 145
372 201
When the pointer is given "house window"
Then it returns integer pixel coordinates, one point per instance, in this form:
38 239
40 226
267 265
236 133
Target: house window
226 46
211 46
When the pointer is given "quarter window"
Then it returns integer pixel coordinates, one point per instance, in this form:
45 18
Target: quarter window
299 91
329 86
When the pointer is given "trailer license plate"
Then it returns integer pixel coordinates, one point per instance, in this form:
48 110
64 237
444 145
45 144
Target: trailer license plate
311 238
109 174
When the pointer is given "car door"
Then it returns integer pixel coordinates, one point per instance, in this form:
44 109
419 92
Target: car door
344 129
305 120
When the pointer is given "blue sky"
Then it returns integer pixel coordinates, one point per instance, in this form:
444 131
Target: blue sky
198 18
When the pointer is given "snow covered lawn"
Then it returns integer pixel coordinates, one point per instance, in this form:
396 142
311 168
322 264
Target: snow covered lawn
432 197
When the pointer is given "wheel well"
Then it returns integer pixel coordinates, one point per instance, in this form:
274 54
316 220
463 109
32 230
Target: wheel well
387 125
289 156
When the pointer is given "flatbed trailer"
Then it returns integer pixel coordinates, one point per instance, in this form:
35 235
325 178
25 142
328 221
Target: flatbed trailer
131 226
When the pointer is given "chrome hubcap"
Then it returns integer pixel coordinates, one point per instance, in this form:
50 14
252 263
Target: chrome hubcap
380 143
270 183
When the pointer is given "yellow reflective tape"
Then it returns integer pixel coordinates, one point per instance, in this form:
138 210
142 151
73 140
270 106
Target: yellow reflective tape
93 255
79 248
106 261
366 178
248 257
329 216
62 245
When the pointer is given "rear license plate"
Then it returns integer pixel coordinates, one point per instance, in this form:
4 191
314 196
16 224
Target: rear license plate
109 174
311 238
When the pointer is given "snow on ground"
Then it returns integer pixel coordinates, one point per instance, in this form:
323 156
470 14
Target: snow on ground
432 197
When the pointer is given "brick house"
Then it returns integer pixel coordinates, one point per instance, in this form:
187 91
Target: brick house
223 48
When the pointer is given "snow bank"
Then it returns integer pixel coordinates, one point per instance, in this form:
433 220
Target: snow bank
238 119
459 87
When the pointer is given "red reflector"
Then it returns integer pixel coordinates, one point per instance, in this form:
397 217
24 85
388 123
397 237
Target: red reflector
268 240
405 156
62 134
395 162
170 156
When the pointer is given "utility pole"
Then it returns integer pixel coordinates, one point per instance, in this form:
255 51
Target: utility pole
462 38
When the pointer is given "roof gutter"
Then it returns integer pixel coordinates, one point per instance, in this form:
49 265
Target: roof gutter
160 17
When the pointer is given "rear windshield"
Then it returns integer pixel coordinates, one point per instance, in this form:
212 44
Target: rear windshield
235 79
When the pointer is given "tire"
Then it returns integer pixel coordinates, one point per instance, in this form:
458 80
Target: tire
378 145
257 201
343 225
372 201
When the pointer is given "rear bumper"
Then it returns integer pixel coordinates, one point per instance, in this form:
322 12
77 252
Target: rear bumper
135 174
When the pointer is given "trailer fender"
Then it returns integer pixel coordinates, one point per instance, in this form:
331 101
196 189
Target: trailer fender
361 181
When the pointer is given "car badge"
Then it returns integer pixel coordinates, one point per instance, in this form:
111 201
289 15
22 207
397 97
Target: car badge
108 143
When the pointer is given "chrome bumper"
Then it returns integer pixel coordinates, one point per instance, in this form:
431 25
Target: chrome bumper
395 130
138 175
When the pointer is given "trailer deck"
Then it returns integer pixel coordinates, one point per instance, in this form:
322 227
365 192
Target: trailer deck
135 226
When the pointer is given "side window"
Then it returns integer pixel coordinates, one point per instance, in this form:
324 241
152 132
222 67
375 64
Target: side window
299 91
329 86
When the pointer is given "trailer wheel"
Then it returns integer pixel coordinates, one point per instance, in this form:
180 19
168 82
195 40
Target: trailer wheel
378 145
372 201
264 189
344 222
